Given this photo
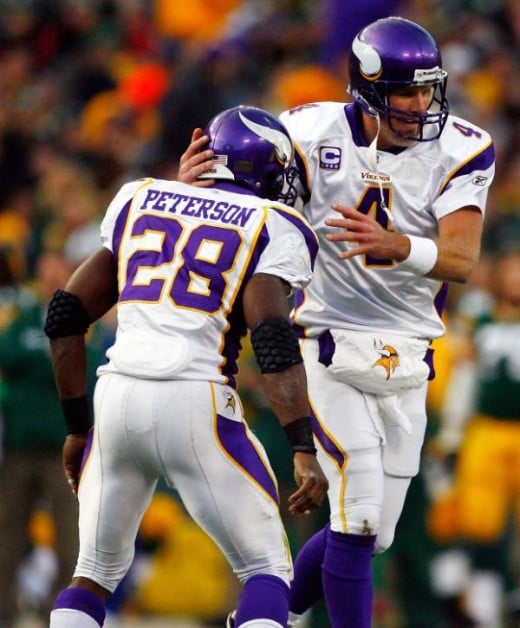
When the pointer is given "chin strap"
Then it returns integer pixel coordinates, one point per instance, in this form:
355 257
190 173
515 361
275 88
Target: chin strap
372 162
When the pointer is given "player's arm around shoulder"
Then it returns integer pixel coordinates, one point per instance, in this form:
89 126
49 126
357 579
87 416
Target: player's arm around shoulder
311 125
313 120
196 160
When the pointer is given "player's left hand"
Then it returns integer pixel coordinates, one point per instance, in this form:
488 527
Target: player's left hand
312 484
195 161
367 236
72 457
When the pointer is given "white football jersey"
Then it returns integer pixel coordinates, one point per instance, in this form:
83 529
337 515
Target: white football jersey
183 256
420 185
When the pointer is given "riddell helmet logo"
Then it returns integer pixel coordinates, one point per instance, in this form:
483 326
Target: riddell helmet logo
429 76
389 359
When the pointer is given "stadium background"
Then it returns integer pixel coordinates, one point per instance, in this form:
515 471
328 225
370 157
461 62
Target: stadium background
95 92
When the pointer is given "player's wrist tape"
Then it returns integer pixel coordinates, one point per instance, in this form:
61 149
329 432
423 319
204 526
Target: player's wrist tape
423 255
77 415
299 435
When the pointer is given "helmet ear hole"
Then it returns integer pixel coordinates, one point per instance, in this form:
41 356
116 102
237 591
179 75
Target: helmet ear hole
252 148
358 96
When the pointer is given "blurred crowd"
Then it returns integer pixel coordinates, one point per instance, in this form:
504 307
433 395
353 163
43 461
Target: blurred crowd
94 93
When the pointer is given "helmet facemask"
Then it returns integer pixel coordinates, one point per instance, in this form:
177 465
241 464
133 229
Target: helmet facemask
430 123
287 191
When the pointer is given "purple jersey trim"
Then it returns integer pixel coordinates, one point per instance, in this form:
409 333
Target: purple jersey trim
87 450
327 443
326 348
233 437
310 237
353 113
480 162
441 298
119 228
299 298
237 326
302 174
231 186
428 358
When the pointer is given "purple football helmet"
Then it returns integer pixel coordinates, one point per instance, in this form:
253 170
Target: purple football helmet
253 148
393 52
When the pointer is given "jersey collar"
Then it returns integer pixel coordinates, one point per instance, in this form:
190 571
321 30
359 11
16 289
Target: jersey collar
355 121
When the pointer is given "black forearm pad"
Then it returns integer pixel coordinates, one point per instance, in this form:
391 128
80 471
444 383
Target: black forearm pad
275 345
77 415
66 316
299 435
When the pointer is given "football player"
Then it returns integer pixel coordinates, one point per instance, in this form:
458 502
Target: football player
190 270
396 188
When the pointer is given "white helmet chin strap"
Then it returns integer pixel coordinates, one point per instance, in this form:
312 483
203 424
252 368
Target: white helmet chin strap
372 162
372 149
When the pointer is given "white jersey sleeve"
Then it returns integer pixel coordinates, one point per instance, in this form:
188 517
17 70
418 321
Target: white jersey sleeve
468 168
120 200
183 256
290 261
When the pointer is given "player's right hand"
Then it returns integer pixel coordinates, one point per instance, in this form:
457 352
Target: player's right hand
312 484
365 235
195 161
72 457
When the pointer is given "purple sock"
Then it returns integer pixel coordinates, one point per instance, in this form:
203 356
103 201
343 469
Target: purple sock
306 588
347 579
263 596
82 600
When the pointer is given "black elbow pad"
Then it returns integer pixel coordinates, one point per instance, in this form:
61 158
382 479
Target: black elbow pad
275 345
66 316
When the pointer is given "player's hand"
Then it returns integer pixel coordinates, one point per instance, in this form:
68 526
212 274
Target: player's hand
366 236
312 484
195 161
72 457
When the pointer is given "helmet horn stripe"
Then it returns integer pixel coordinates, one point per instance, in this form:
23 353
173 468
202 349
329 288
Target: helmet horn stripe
279 140
370 63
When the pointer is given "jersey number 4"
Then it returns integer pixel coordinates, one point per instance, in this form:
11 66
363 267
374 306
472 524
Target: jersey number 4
370 204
